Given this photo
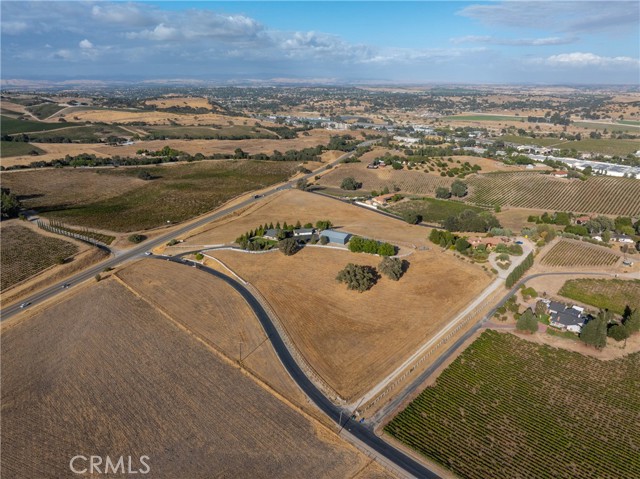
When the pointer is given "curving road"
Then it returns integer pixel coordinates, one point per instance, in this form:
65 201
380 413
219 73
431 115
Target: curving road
363 433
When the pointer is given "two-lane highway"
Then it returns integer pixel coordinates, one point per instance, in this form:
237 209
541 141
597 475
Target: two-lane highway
139 250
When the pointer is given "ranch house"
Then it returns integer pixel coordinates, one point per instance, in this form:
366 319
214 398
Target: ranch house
566 318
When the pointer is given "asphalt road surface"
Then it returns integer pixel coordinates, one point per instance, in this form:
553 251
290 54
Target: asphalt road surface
358 430
419 380
138 251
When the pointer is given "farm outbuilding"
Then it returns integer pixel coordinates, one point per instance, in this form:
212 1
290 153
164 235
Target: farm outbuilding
337 237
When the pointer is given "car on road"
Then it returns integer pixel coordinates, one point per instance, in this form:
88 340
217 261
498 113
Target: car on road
66 285
257 196
148 253
24 305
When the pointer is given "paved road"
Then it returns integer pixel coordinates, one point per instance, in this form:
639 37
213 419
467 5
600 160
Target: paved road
419 380
383 213
360 431
138 251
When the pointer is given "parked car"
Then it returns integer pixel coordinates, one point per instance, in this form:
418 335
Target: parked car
519 242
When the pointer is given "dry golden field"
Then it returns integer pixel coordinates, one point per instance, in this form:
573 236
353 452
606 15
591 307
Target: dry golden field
55 151
294 205
179 101
215 313
414 181
103 373
354 339
152 117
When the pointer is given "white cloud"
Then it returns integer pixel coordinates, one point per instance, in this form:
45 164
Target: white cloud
160 33
63 54
570 16
125 14
513 41
13 28
580 59
85 44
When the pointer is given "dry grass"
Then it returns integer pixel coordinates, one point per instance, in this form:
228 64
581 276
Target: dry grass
414 181
516 218
68 186
294 205
355 339
214 312
104 373
181 101
206 147
153 117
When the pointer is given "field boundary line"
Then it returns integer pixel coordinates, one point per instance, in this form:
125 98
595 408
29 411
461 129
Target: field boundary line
242 368
297 355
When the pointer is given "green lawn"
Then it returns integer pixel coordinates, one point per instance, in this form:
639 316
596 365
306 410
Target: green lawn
10 126
612 294
508 408
432 210
17 148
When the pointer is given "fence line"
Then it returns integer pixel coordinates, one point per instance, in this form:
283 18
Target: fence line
302 362
481 308
61 230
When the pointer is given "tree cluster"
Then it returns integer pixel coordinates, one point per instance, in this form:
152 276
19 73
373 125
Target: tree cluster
527 322
358 244
469 220
519 270
350 183
9 204
358 277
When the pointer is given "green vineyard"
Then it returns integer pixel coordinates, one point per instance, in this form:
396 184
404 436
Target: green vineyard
605 195
26 253
567 253
508 408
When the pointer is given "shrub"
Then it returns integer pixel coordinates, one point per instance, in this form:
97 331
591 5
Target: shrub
411 217
393 268
324 240
199 256
136 238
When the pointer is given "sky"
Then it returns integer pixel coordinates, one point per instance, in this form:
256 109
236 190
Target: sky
419 42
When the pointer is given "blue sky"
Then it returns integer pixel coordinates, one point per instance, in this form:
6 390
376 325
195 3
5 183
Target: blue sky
549 42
